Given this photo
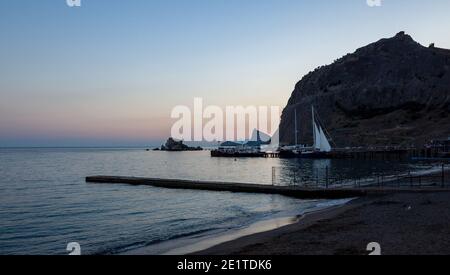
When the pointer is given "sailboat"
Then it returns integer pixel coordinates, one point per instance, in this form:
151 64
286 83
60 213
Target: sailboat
321 147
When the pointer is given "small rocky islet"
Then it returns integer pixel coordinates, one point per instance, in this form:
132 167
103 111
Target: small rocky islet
173 145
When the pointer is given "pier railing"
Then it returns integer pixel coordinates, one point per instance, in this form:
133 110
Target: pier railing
437 177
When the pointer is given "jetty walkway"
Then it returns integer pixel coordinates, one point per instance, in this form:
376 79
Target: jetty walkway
290 191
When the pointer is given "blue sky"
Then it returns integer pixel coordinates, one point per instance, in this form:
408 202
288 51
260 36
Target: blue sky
109 72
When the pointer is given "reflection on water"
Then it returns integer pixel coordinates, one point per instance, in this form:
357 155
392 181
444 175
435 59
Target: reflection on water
45 202
303 172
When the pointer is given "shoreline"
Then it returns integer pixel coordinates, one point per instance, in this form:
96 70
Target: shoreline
331 221
304 221
240 241
402 223
195 244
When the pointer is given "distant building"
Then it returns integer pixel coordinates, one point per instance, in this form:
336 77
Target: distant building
229 145
248 148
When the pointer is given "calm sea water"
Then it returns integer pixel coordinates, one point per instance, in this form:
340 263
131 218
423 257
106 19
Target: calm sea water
45 202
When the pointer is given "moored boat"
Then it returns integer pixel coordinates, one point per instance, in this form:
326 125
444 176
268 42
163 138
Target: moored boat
320 149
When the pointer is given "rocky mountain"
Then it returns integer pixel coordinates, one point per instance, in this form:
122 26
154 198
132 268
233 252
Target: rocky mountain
392 92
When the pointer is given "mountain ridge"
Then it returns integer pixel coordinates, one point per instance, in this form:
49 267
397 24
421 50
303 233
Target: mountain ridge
391 92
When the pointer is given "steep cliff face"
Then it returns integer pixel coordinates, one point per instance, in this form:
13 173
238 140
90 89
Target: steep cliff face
392 92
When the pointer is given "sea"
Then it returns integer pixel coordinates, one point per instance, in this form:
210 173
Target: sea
45 203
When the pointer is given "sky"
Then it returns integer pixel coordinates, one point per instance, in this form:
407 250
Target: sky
109 73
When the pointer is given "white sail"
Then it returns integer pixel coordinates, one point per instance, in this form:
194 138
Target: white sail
317 138
321 142
324 143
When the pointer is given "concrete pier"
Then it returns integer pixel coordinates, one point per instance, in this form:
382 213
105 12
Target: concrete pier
290 191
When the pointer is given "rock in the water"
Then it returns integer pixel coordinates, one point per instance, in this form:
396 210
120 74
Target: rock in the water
392 92
173 145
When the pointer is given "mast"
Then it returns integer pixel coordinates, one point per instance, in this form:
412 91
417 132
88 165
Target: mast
296 130
314 126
